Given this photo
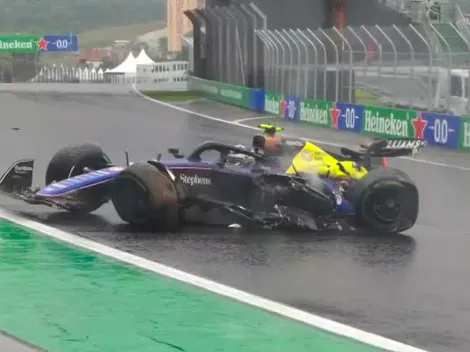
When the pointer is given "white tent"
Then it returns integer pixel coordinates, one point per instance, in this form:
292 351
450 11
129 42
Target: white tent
128 66
144 59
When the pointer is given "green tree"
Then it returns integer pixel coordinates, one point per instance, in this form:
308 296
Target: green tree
48 16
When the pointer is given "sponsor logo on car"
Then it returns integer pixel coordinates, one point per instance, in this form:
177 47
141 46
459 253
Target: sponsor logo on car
293 142
195 180
309 156
23 169
414 145
405 144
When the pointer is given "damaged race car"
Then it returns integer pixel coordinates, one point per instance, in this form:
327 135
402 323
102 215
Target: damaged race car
277 182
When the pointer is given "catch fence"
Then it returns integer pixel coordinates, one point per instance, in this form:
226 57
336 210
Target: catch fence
394 66
411 66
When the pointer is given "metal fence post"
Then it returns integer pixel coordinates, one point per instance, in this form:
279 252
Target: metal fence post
350 63
364 46
395 54
379 48
291 60
217 47
228 52
337 63
284 60
430 96
269 59
467 88
198 21
277 65
235 41
412 53
252 67
297 34
242 16
325 61
449 71
299 61
264 21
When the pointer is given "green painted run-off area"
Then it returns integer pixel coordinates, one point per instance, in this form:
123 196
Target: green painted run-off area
65 299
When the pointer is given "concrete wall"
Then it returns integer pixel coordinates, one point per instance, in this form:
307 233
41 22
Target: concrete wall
313 13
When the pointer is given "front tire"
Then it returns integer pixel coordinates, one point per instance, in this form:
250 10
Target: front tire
386 201
71 161
144 196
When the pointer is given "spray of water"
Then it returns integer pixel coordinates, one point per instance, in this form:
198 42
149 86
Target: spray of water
311 175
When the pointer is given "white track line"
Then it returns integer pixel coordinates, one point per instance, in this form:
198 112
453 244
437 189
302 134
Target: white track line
245 297
238 124
253 119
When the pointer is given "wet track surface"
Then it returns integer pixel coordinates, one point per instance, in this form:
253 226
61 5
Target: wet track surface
410 288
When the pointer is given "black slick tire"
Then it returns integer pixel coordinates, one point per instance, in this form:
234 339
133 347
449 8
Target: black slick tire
144 196
380 184
71 161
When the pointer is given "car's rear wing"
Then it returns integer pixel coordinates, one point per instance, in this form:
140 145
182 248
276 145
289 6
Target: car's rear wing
394 147
384 148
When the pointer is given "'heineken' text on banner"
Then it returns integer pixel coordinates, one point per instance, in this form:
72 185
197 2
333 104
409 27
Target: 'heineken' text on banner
464 135
386 122
33 43
19 44
272 104
315 112
440 130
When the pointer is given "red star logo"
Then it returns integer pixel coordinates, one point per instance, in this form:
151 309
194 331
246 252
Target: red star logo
283 106
419 125
334 113
42 44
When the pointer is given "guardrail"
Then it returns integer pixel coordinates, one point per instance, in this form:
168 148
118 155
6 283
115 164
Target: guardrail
248 98
440 130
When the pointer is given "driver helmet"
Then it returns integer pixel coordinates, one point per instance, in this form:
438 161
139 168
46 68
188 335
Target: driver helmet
267 143
272 143
239 159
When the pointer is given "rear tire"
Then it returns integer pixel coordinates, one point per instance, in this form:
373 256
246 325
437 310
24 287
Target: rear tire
144 196
70 161
386 201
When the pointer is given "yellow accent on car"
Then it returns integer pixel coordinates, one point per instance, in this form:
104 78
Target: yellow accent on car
267 126
313 159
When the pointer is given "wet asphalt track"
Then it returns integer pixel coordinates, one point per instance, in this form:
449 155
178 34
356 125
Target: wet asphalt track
410 288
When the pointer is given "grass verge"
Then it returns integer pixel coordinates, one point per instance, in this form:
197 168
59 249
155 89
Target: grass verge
173 96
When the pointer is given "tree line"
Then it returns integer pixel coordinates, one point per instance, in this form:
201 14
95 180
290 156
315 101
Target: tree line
63 16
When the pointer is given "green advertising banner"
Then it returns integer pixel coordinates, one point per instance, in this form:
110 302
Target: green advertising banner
19 43
464 133
226 93
316 112
388 122
272 103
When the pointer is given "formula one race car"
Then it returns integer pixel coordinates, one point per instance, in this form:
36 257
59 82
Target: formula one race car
290 183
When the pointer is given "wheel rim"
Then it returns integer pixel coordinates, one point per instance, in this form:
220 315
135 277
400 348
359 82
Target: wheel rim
385 205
